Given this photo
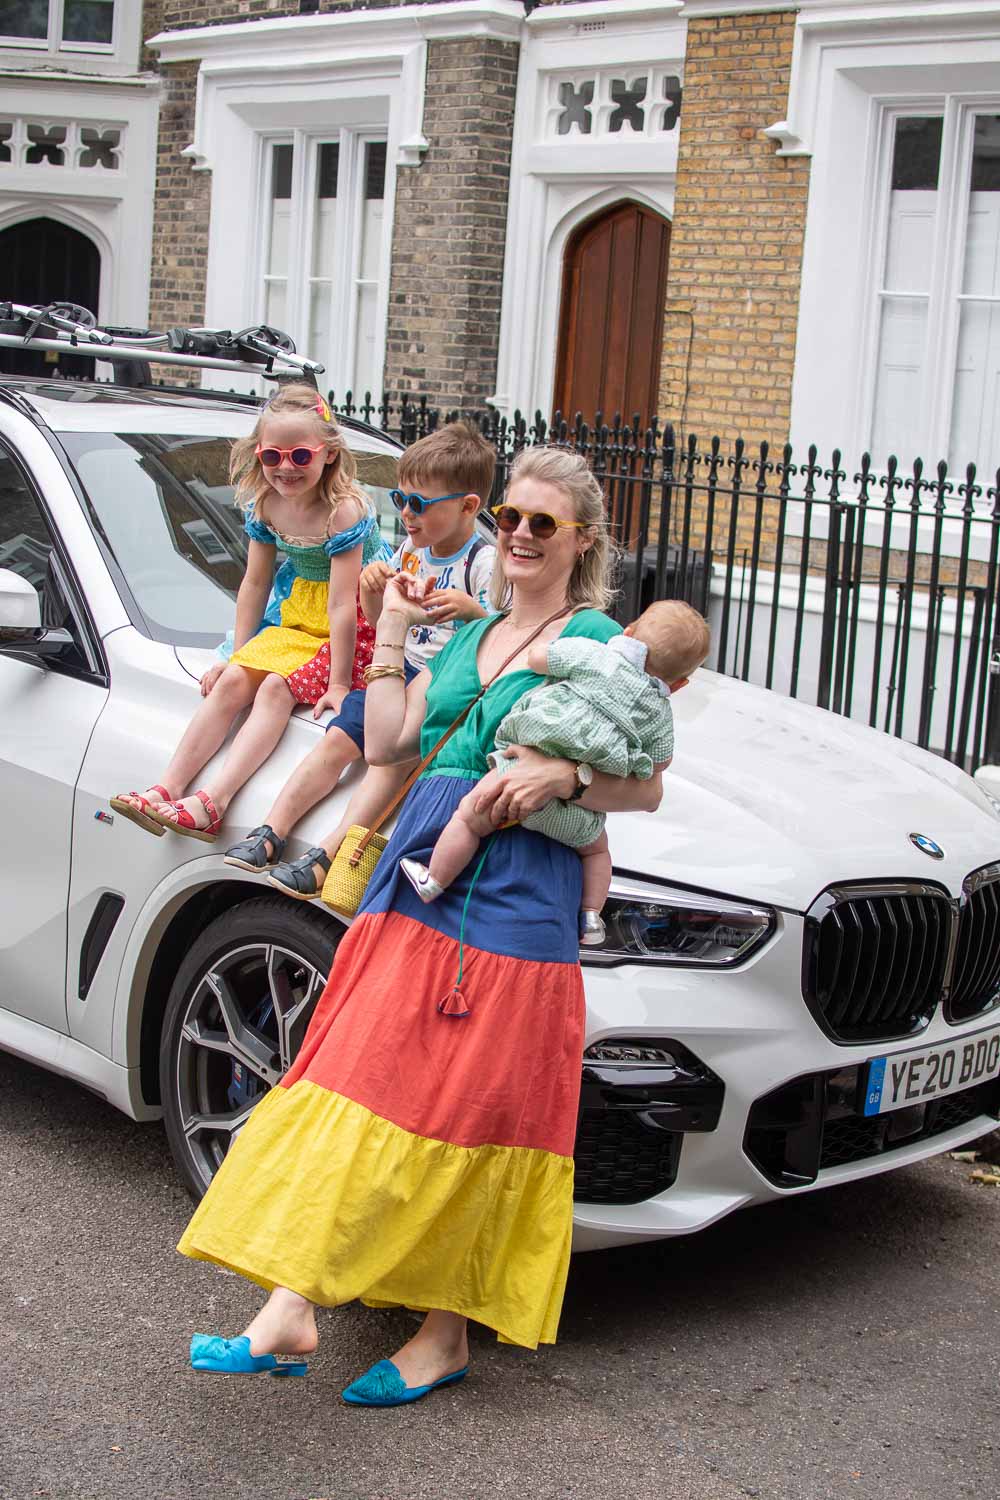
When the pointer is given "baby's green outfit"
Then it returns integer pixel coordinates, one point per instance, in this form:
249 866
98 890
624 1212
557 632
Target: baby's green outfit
603 709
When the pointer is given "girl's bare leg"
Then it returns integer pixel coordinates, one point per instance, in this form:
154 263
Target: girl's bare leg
286 1324
255 741
209 727
595 859
439 1348
459 839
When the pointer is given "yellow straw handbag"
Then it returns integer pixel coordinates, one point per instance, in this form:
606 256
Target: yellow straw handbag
354 863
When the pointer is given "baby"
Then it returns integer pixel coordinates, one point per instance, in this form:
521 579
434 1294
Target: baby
605 706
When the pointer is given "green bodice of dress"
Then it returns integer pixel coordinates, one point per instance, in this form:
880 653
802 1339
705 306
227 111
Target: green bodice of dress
455 682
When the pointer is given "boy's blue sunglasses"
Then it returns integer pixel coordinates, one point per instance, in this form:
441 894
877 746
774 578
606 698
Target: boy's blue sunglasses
419 503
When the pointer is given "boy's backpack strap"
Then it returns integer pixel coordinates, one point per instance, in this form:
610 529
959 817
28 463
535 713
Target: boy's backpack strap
477 546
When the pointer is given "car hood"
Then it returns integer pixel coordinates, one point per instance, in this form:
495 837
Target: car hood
773 800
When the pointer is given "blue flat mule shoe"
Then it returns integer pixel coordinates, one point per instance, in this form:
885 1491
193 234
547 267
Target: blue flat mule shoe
233 1357
383 1385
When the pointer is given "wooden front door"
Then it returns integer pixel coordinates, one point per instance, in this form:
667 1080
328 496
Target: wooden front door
45 261
611 315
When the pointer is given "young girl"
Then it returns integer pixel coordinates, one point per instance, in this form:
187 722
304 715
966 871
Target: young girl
295 481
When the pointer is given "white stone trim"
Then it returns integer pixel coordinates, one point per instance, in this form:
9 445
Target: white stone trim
556 185
619 14
824 27
391 28
113 208
695 10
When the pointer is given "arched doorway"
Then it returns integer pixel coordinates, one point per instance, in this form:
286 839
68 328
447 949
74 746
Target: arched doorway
45 261
611 315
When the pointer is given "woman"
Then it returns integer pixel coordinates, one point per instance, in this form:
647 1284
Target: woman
420 1150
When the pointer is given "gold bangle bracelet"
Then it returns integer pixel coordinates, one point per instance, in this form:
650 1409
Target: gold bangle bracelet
378 670
387 646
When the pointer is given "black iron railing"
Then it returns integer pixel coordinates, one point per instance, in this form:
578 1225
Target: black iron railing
870 593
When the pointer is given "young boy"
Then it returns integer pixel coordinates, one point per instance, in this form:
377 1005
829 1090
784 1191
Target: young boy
444 481
606 707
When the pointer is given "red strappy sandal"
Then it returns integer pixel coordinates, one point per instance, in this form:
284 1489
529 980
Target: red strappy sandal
139 812
183 822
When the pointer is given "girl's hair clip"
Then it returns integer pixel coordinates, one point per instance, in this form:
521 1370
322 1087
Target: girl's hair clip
324 410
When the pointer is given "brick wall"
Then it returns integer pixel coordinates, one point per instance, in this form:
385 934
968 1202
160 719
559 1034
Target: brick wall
736 247
448 237
180 210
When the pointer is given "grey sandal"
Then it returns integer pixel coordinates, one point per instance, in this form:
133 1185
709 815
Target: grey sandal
251 853
295 877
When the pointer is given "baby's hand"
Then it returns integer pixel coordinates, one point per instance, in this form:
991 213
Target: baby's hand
211 677
451 604
331 699
375 577
538 658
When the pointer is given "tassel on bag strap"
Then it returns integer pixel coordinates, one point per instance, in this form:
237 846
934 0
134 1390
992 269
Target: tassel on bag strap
355 857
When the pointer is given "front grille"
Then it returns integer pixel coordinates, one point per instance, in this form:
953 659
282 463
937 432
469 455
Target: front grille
975 985
874 960
815 1122
857 1140
619 1160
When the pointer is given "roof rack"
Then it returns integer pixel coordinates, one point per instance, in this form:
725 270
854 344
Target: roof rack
70 329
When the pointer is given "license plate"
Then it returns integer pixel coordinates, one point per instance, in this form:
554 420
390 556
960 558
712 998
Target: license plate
903 1079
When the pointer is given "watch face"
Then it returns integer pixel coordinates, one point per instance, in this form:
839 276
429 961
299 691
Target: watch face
584 773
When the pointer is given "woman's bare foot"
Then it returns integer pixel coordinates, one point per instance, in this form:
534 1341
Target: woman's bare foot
439 1348
286 1324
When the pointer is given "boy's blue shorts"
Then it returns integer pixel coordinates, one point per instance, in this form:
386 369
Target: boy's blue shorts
351 718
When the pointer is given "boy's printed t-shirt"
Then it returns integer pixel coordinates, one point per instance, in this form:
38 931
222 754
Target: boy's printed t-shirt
455 572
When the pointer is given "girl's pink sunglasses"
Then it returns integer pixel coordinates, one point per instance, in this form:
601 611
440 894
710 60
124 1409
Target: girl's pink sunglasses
301 455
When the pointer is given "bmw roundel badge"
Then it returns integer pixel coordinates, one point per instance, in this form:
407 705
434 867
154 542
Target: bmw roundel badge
926 846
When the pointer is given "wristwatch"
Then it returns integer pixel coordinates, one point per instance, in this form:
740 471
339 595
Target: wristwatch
584 776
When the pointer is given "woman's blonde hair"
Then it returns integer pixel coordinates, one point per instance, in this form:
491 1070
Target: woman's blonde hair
338 479
590 581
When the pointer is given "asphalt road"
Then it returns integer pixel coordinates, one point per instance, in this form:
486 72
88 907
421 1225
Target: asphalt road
843 1344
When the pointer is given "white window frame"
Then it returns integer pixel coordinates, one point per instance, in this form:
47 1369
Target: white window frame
345 279
123 47
944 296
850 66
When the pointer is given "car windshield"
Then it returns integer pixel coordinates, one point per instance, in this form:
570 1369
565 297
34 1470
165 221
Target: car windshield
163 507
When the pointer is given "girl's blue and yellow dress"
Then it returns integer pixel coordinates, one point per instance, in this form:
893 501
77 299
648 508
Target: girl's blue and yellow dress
301 595
418 1152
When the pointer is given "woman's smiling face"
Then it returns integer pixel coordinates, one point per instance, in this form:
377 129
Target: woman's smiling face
535 564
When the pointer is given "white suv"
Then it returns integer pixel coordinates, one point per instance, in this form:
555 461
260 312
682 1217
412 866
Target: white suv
801 979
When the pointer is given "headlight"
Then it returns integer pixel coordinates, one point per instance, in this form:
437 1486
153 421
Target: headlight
658 924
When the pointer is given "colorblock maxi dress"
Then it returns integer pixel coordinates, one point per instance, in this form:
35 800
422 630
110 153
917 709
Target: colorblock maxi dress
297 647
414 1157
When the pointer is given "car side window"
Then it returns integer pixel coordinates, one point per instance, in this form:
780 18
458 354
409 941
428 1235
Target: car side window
27 547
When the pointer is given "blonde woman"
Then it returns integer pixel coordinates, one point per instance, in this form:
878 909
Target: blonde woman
420 1150
295 480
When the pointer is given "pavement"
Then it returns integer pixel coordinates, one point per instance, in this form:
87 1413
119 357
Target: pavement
844 1343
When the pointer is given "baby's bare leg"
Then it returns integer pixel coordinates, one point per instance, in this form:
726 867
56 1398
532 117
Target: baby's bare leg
596 861
460 837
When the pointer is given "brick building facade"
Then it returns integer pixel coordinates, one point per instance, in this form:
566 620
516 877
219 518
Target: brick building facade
639 205
731 313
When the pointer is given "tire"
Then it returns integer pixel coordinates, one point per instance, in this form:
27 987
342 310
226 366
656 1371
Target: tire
235 1018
